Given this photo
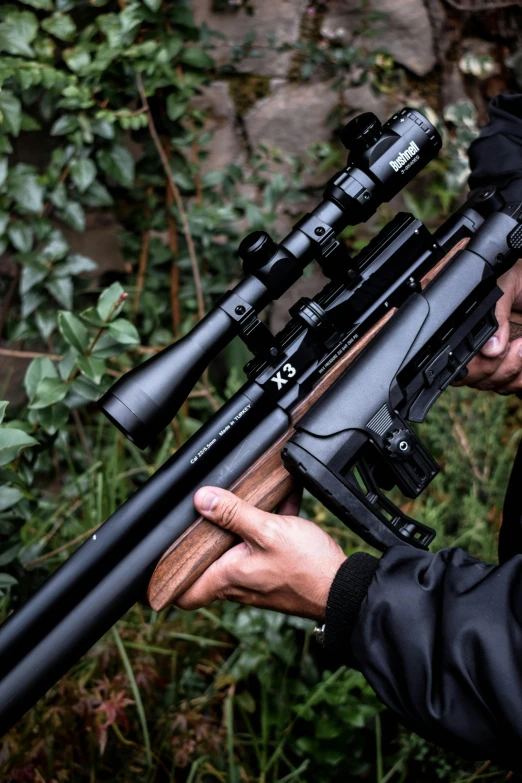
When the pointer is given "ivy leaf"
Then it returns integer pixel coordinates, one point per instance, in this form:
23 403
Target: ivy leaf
68 363
175 107
108 300
48 391
92 367
12 441
83 173
5 145
92 317
6 580
21 236
67 123
61 288
8 497
107 347
85 388
73 331
61 26
30 301
3 170
58 197
102 127
74 216
11 112
43 5
154 5
25 189
77 59
75 264
29 123
196 57
124 332
17 31
4 221
117 163
3 406
42 367
56 248
52 419
31 276
97 196
45 323
8 555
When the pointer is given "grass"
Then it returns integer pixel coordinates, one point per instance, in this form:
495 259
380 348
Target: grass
231 693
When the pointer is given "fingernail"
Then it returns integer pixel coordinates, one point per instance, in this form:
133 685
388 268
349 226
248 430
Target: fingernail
207 500
520 351
492 344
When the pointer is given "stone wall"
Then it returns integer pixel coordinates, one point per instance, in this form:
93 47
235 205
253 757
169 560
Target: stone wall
263 100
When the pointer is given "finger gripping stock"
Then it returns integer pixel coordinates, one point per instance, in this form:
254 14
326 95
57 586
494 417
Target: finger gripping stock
264 485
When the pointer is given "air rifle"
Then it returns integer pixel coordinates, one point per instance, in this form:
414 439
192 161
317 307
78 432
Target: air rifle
289 373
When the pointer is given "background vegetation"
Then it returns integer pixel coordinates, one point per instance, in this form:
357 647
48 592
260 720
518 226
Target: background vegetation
101 119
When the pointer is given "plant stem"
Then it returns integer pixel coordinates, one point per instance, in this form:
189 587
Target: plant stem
177 197
378 747
144 253
135 692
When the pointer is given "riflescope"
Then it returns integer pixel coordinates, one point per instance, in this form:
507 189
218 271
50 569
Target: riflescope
383 159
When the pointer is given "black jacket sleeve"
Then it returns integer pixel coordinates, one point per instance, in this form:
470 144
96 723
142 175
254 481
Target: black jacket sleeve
439 636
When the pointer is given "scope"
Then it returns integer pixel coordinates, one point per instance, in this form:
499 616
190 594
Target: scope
383 158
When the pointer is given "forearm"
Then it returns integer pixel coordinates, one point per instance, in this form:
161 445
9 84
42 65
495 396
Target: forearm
438 636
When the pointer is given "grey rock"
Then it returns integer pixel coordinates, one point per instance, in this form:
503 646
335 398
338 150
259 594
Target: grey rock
363 98
281 18
405 32
292 118
226 144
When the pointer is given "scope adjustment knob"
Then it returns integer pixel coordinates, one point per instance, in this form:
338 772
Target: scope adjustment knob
256 250
362 132
399 444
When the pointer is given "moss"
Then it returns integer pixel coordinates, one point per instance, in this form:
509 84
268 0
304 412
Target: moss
246 90
309 33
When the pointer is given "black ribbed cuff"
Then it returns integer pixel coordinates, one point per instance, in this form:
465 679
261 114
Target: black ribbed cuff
348 590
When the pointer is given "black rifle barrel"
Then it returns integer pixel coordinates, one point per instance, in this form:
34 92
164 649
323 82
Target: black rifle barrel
132 522
120 587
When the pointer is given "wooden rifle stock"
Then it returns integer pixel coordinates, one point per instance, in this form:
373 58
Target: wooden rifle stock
265 484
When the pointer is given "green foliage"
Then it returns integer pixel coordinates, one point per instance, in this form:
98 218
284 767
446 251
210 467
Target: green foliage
233 693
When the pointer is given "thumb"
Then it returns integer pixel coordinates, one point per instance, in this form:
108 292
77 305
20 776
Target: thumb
230 512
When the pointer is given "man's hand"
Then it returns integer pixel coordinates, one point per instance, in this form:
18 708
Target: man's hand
498 366
283 563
